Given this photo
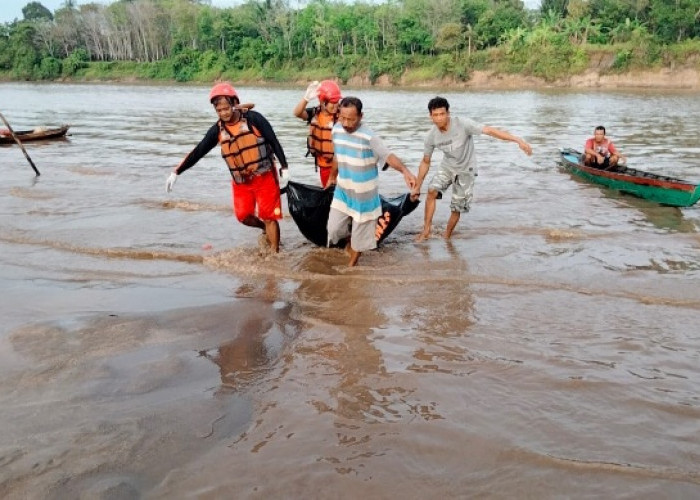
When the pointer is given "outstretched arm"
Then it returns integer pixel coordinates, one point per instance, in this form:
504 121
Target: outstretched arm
505 136
210 140
205 145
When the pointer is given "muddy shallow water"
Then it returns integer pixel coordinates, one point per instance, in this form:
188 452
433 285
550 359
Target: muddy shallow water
150 347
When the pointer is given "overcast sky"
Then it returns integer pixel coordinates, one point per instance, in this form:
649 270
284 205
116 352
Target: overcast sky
12 9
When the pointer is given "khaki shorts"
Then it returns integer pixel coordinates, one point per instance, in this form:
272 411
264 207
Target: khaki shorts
341 225
462 188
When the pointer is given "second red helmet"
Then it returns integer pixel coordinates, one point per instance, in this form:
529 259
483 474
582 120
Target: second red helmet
329 91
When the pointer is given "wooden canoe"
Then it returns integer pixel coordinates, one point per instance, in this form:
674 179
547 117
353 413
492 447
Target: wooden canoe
658 188
38 134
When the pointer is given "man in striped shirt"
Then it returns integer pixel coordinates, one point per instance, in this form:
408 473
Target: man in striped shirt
356 204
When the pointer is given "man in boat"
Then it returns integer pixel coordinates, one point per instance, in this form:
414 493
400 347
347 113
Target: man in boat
320 119
455 138
248 144
600 152
356 204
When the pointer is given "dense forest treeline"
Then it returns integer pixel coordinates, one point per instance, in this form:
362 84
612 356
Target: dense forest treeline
188 40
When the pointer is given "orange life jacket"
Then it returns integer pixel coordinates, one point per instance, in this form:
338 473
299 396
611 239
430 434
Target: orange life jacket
319 143
243 147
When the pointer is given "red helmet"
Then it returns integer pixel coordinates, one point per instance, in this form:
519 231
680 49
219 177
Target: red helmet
223 89
329 91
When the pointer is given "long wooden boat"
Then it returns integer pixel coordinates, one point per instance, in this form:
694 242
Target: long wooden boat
36 134
658 188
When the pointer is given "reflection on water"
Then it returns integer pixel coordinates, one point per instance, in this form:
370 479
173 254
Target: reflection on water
547 350
242 360
671 219
352 360
258 340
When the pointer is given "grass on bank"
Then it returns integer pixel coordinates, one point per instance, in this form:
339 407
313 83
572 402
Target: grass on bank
548 58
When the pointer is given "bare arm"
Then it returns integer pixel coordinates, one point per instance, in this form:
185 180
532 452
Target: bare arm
300 109
505 136
613 150
593 153
333 176
422 172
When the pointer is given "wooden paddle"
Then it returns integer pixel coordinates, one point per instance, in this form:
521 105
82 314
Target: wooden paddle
19 143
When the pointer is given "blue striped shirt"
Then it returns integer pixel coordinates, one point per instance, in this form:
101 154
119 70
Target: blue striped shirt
357 189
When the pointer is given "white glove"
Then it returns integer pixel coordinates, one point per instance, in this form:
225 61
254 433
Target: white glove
170 182
283 180
311 91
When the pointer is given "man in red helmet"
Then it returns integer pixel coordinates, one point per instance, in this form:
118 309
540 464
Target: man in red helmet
248 144
320 120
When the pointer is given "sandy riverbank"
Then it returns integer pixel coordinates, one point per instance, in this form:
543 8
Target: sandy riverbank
662 78
678 78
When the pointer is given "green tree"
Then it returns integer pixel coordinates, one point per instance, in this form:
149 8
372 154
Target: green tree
412 36
49 68
384 16
24 55
185 65
367 29
579 29
675 21
5 48
472 10
344 30
206 35
561 7
608 14
497 21
76 60
450 38
35 11
302 36
627 31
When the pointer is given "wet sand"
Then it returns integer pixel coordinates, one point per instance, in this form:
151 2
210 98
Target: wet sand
451 388
104 407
